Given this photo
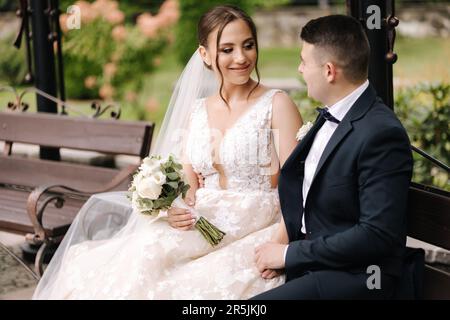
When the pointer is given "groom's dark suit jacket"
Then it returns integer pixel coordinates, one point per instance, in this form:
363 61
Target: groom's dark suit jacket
355 211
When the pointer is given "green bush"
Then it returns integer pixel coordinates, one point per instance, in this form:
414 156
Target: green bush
85 51
101 62
13 66
425 112
76 69
8 5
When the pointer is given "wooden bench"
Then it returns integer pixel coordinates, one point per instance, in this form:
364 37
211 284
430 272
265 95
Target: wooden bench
429 221
29 185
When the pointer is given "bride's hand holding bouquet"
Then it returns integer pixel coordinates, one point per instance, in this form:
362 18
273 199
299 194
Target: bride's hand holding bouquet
159 185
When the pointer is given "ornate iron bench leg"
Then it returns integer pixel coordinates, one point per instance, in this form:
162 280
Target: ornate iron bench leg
40 259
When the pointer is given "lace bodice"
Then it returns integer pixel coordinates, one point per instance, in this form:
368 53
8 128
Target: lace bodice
245 150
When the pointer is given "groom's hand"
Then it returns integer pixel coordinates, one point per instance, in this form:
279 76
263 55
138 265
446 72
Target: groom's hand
270 256
270 274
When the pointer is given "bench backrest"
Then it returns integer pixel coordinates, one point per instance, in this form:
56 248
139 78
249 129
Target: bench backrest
36 172
429 221
101 135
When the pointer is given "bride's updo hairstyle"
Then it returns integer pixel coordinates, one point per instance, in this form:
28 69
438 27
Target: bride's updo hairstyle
219 17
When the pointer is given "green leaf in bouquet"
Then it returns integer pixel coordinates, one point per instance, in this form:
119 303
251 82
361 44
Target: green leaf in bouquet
162 203
174 185
168 201
168 163
165 191
158 203
172 176
149 212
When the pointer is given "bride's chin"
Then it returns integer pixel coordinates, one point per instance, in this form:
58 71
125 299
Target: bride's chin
240 81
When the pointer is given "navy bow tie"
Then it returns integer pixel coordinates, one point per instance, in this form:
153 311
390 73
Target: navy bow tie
327 115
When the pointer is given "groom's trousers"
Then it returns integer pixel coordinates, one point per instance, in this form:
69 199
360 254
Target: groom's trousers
331 284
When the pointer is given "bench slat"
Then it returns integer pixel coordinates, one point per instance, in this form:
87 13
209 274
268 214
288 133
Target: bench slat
101 135
36 172
14 215
429 217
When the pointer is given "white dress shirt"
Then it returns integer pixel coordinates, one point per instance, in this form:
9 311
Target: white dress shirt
323 136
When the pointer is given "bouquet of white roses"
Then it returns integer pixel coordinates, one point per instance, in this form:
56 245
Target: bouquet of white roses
158 185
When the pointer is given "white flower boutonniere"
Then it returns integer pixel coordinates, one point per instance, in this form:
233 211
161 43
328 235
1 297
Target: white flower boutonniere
301 133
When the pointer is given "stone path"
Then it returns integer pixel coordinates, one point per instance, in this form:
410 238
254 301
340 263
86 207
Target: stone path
15 281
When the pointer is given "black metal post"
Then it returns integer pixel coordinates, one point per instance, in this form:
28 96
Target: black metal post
44 64
381 43
56 35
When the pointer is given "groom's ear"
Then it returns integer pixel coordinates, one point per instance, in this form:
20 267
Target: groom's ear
331 71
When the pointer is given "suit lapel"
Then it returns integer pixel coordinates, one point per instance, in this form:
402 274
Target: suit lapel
341 131
359 108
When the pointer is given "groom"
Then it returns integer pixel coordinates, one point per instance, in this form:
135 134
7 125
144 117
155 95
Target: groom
344 188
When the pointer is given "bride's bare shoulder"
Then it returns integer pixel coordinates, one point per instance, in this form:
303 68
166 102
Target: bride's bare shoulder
281 99
285 108
212 101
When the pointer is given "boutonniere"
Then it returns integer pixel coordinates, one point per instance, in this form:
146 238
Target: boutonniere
301 133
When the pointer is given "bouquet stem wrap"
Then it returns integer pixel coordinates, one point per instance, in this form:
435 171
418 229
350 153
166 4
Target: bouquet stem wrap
210 232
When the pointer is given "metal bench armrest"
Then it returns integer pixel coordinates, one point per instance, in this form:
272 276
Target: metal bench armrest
41 196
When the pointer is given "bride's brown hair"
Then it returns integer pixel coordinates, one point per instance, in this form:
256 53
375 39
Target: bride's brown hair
219 17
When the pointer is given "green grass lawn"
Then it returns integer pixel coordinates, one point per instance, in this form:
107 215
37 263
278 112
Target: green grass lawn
422 59
418 60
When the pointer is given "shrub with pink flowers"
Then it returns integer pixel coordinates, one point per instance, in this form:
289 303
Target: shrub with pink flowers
108 57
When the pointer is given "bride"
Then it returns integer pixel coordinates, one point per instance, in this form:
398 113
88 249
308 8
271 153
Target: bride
239 132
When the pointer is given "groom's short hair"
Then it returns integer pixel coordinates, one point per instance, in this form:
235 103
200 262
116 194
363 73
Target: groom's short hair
343 37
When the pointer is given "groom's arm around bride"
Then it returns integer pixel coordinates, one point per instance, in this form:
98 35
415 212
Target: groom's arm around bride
344 188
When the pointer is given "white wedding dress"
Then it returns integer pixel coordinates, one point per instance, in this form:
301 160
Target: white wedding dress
160 262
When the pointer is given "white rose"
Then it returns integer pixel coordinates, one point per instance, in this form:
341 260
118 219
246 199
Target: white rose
304 130
150 166
150 161
159 178
148 188
137 179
